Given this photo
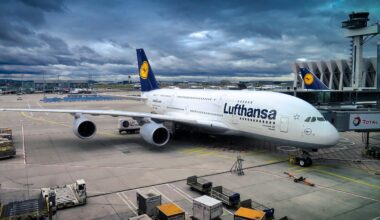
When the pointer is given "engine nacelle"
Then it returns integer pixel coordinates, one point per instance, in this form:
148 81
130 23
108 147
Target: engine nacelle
156 134
84 128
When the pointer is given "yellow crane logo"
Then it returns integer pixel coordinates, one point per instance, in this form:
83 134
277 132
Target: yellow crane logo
309 79
144 70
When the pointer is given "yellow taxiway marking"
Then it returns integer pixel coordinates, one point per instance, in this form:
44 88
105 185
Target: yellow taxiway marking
319 169
275 160
361 182
204 151
192 150
43 120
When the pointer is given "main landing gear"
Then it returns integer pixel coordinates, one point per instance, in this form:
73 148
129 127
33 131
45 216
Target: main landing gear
303 160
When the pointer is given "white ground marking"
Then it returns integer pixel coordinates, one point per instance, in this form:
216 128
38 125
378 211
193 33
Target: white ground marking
126 197
179 193
23 141
122 198
167 198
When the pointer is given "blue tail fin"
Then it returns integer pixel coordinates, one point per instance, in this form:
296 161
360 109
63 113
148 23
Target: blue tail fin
311 81
147 79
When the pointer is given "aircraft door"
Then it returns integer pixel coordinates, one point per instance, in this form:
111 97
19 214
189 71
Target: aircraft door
221 100
284 123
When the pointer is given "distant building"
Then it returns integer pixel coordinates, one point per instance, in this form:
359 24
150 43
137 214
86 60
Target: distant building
337 74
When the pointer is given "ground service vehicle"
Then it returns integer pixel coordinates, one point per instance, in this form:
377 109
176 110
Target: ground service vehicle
67 196
199 184
128 126
227 196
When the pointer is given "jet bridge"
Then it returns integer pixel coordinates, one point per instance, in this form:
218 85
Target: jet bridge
360 120
353 120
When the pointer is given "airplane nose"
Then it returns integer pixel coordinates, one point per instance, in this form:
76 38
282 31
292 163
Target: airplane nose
331 135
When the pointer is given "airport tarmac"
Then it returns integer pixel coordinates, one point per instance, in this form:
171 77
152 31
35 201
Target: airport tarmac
116 166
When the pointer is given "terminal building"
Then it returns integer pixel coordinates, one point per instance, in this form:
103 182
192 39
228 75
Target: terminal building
31 86
337 74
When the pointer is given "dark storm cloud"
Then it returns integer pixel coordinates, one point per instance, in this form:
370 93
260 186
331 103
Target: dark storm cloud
46 5
199 38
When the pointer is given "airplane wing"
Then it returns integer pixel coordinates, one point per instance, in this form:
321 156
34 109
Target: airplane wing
181 118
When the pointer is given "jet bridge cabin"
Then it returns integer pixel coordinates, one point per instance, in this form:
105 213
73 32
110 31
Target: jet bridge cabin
353 120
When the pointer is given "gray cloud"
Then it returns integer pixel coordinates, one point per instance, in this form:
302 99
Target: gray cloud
46 5
187 38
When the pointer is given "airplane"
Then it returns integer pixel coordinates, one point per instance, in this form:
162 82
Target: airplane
270 116
311 81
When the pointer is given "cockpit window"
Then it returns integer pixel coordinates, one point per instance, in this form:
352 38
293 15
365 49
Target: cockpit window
321 119
307 119
313 119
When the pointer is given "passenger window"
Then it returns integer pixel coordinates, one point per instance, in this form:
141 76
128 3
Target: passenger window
307 119
320 119
313 119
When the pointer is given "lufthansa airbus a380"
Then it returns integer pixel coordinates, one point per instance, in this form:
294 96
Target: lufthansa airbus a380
271 116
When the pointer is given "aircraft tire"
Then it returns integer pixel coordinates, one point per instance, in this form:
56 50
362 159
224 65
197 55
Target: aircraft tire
302 162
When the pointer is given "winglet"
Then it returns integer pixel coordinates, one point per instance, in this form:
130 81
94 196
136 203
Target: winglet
147 79
311 81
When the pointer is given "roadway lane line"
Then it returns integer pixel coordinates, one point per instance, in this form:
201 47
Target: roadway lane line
121 197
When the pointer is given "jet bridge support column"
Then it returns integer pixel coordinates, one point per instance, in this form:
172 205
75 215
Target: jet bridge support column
377 77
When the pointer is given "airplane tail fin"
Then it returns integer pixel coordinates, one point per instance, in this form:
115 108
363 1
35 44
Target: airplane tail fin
147 79
311 81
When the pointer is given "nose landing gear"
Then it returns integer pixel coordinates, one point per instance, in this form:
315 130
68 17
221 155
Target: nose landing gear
303 160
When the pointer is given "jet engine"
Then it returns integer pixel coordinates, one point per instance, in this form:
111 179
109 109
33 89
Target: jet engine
84 128
156 134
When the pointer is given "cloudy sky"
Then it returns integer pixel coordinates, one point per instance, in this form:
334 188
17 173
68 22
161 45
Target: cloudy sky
183 39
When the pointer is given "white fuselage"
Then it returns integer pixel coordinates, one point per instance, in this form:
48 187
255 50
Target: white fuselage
271 116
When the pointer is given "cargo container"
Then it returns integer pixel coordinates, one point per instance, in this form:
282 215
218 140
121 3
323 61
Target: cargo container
227 196
207 208
170 211
141 217
199 184
249 214
147 202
